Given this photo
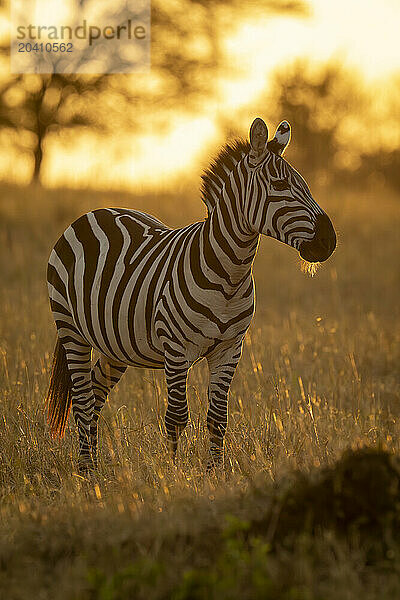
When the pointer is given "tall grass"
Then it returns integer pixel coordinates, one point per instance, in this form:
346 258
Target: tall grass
319 374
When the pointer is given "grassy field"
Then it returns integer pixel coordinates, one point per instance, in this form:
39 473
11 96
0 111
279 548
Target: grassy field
319 374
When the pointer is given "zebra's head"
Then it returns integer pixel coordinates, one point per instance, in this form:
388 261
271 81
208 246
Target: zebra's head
278 201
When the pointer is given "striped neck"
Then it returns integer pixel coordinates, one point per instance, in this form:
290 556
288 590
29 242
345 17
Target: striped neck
229 245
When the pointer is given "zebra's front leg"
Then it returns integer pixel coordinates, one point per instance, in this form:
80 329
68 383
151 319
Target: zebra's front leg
105 375
177 414
222 365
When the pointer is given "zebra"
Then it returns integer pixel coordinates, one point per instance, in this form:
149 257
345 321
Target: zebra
142 294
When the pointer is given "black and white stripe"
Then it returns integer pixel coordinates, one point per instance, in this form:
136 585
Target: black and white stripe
142 294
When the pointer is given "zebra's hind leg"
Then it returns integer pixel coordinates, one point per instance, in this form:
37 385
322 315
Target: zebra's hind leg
79 356
105 375
222 364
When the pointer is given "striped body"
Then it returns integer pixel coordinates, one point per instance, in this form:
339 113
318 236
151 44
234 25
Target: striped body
133 286
145 295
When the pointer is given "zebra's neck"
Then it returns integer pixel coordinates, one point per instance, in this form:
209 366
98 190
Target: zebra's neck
229 246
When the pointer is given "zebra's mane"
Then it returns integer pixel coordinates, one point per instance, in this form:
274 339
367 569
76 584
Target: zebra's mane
214 177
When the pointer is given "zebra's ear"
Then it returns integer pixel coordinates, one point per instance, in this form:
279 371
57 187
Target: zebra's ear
281 138
258 138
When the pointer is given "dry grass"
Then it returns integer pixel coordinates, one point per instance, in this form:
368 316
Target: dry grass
319 373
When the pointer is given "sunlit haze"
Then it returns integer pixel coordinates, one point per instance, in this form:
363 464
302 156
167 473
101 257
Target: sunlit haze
360 35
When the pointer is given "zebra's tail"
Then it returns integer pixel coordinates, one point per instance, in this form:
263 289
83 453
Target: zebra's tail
58 398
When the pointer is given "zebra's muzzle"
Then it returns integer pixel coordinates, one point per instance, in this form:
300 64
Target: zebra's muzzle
323 243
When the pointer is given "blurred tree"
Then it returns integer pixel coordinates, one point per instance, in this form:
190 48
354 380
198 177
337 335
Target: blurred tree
187 55
36 105
332 116
381 167
327 107
323 104
187 38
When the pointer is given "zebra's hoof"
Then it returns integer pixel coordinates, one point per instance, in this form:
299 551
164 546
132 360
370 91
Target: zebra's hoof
213 470
215 465
172 448
216 460
85 467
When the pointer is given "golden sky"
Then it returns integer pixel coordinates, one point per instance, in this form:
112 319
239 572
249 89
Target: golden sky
362 34
359 33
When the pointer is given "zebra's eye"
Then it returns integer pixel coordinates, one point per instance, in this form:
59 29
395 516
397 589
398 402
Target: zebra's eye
280 185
